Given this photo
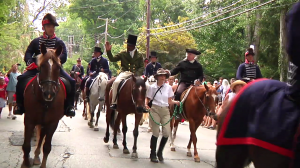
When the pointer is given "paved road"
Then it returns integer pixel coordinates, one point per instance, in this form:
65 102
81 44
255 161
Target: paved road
75 145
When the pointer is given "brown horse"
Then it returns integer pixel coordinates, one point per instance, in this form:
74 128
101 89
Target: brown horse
47 94
131 100
75 76
199 101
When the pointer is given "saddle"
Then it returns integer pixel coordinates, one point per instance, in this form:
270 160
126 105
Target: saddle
183 97
121 85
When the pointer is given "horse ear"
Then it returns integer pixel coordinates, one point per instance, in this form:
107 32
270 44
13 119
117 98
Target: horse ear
218 87
145 79
43 49
206 87
133 78
58 50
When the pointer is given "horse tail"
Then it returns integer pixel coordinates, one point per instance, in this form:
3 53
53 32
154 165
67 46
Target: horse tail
112 119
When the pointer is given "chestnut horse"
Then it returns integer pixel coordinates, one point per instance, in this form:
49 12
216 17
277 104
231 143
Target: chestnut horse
199 101
47 94
131 100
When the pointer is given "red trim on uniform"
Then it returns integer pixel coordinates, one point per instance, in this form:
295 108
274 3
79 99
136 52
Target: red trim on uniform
221 140
31 66
46 37
62 83
29 82
45 22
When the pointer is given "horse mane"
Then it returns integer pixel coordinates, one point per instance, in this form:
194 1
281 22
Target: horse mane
49 55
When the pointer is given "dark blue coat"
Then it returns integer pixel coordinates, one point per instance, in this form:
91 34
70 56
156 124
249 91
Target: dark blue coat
33 49
150 70
97 65
241 72
78 69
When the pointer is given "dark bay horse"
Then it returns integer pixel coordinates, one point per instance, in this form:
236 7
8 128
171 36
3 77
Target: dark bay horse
75 75
131 100
47 94
199 101
260 125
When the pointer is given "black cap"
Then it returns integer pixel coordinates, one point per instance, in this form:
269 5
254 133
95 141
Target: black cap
97 49
131 39
153 54
193 51
49 19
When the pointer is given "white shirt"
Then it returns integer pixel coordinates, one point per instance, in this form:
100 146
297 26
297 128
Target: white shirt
132 53
162 96
231 96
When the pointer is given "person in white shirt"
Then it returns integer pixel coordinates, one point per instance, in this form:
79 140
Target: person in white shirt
159 112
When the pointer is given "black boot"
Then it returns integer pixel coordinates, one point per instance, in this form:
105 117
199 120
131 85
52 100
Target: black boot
161 148
69 106
153 143
19 108
87 94
113 107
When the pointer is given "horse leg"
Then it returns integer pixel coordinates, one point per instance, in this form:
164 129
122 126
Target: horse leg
108 118
175 128
232 156
171 137
124 130
116 128
91 111
98 115
26 145
262 158
50 129
40 141
136 134
194 138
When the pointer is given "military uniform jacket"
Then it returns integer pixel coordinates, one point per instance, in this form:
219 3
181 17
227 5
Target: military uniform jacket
189 71
248 71
151 70
134 65
98 63
33 49
80 69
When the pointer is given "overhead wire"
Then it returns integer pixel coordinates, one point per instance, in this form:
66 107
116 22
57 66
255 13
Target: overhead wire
85 7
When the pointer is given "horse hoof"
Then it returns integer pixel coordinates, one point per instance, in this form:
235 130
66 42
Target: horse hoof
37 161
173 149
126 151
116 147
86 118
90 124
189 154
134 156
96 129
30 164
197 159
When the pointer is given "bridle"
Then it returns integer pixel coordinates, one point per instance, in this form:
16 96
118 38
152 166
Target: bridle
205 99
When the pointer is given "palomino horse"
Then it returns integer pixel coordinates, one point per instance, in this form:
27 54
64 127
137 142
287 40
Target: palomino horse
97 98
75 76
131 100
199 101
47 94
260 125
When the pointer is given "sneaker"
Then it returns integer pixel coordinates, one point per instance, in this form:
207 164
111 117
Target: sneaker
9 116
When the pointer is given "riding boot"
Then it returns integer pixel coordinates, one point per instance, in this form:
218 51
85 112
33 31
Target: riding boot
87 94
19 108
69 107
162 144
153 143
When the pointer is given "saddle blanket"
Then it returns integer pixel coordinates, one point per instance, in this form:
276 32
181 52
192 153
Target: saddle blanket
262 114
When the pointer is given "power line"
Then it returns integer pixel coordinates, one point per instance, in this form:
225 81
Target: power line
124 13
197 17
92 7
254 8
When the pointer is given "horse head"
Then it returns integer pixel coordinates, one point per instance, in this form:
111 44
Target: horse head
49 67
151 80
102 83
210 98
139 92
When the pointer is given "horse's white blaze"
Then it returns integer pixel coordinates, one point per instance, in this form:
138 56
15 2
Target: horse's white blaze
140 88
51 64
214 96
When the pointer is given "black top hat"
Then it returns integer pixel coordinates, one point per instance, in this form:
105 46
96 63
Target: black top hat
97 49
131 39
153 54
49 19
193 51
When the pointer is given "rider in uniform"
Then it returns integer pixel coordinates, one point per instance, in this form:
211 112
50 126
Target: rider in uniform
98 64
190 70
131 63
83 82
33 50
248 71
78 68
152 67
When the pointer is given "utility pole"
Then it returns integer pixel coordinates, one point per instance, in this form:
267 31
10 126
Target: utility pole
148 27
106 30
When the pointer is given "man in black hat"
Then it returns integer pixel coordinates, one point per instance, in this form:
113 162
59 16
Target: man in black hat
131 63
78 68
153 66
190 70
51 42
98 64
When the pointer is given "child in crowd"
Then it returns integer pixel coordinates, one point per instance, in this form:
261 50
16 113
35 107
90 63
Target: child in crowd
2 93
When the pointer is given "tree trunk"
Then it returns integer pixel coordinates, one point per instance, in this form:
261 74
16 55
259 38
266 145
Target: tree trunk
283 59
248 29
256 37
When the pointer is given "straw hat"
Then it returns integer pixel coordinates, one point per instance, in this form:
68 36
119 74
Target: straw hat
237 82
161 71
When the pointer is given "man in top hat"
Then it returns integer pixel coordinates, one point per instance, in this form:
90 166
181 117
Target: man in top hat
152 67
98 64
51 42
131 63
190 70
78 68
